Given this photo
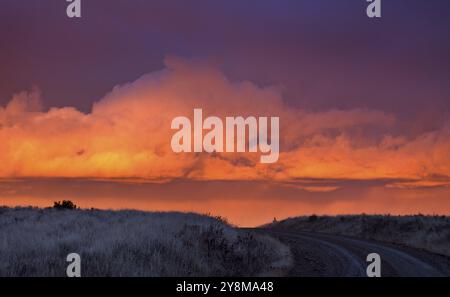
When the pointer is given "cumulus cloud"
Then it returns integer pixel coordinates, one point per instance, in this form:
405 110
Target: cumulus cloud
127 135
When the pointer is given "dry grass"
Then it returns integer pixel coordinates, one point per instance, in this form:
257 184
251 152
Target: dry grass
431 233
35 242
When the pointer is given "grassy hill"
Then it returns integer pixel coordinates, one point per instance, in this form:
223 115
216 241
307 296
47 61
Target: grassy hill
36 242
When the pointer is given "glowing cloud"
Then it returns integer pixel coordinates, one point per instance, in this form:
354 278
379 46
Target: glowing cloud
127 135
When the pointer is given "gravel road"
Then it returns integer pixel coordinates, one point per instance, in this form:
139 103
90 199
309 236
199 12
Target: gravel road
318 254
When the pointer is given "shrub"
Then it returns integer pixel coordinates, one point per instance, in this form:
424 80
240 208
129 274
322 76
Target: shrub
65 204
312 218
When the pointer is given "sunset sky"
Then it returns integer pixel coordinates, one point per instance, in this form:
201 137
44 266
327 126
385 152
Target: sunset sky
364 105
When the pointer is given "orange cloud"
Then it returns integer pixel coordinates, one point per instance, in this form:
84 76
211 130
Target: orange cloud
127 136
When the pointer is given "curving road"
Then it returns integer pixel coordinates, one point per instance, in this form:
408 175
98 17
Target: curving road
318 254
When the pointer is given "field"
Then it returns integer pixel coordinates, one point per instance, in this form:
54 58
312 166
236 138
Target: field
36 242
430 233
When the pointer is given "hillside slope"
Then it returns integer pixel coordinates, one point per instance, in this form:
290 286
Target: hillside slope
36 242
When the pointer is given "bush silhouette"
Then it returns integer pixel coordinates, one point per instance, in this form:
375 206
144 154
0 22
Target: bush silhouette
312 218
65 204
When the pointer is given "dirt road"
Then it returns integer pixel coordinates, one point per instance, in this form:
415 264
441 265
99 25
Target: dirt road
317 254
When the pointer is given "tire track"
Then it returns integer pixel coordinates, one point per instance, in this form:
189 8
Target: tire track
317 254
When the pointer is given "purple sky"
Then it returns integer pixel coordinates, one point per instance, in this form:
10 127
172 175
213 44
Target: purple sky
324 53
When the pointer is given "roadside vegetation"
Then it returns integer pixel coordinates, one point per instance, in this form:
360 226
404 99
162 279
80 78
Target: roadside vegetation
431 233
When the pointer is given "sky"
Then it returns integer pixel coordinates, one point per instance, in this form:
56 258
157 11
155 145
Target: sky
364 105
